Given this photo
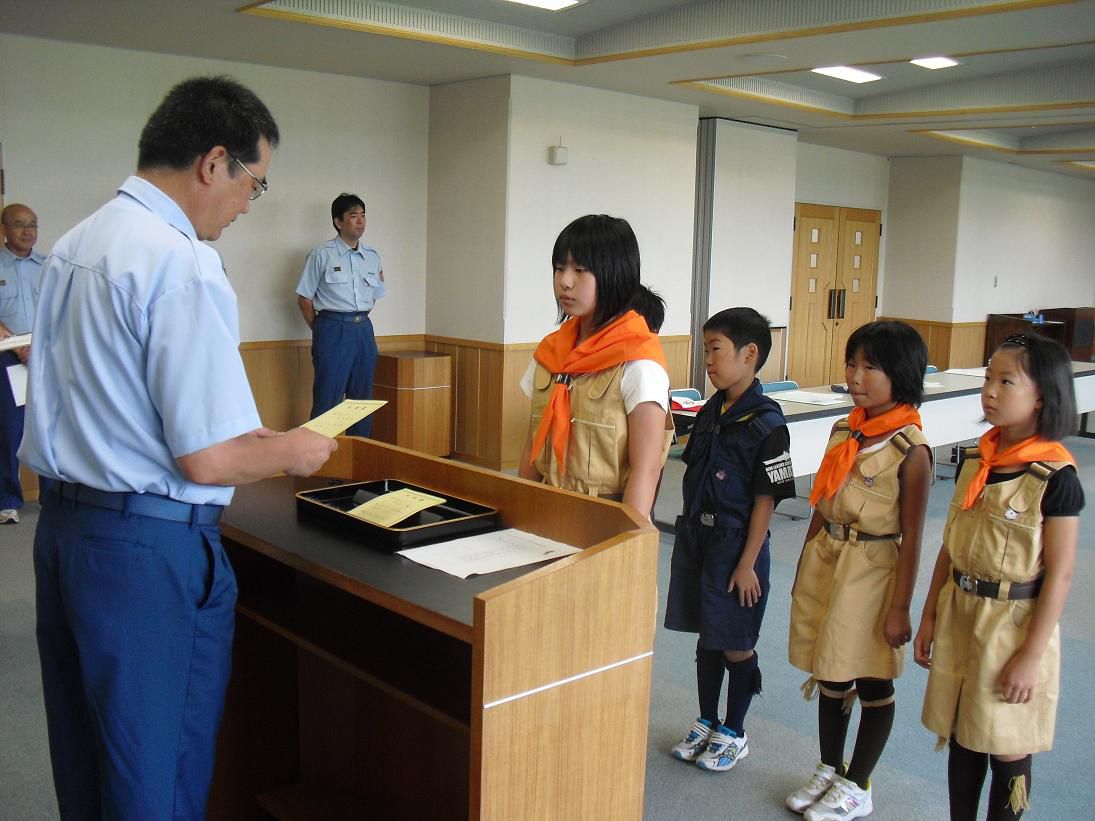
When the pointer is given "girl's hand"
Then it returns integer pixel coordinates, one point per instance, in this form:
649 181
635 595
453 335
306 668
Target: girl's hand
748 585
922 644
1019 677
898 628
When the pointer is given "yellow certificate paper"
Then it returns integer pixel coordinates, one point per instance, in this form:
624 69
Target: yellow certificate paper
339 418
394 507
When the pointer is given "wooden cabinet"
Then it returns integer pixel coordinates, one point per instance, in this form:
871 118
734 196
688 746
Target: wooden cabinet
418 388
1000 326
1079 332
367 686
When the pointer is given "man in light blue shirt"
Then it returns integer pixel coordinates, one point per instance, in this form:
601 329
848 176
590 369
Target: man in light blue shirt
20 266
340 284
140 410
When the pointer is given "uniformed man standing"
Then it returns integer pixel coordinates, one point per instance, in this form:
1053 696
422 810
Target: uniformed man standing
340 284
20 267
140 409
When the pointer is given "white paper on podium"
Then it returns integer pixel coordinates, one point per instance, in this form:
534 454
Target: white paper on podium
17 377
810 398
488 552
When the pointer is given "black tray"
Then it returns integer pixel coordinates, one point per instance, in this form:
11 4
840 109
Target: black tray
330 506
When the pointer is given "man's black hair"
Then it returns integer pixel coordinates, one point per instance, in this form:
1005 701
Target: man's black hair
343 203
201 113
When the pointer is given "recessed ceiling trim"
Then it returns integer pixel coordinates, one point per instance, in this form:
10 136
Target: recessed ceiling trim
998 142
392 20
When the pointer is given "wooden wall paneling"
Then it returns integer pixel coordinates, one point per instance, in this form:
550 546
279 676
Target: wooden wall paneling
516 407
967 345
678 359
489 406
774 369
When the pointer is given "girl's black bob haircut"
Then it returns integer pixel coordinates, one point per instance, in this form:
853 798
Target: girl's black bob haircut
1049 366
900 352
606 247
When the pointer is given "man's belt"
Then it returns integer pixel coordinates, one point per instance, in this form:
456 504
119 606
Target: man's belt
847 533
141 504
1005 591
345 316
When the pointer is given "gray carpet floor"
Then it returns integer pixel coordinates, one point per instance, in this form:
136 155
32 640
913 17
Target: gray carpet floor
910 782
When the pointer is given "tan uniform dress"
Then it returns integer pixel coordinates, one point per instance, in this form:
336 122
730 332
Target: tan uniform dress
843 588
998 539
597 461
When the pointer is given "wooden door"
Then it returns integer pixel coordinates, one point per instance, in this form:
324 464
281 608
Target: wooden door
832 288
813 286
857 271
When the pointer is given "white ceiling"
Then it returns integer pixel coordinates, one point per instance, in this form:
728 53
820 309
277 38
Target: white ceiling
1025 92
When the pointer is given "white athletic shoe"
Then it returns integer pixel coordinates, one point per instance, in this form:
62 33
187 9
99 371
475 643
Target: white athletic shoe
724 750
9 517
843 800
694 742
804 797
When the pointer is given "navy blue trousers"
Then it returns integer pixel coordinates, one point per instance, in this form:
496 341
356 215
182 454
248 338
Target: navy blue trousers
135 624
344 357
11 433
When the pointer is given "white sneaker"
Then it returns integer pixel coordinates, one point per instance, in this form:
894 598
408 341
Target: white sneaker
801 799
9 517
694 742
724 750
843 800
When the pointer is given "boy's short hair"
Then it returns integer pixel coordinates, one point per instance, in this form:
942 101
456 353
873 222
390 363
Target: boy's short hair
1049 366
742 326
343 203
901 353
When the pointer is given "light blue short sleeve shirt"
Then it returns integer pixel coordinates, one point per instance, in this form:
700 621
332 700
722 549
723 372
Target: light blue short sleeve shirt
136 353
338 278
19 282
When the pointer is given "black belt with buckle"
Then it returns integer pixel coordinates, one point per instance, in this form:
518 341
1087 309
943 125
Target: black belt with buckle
345 316
991 590
141 504
846 533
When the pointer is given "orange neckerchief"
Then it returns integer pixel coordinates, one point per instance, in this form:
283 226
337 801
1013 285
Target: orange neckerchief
838 461
1031 449
625 339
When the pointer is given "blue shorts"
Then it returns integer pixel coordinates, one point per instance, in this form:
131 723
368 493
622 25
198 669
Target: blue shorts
704 559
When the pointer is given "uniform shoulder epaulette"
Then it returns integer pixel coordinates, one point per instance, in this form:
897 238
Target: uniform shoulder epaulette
1042 470
902 442
842 425
971 453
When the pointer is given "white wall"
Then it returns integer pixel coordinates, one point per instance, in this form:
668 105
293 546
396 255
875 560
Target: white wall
1034 232
752 219
466 240
70 117
923 235
630 157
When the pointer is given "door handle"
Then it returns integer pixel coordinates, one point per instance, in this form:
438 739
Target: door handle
841 303
831 314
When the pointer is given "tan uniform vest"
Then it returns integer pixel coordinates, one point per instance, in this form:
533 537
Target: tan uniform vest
597 462
843 587
998 539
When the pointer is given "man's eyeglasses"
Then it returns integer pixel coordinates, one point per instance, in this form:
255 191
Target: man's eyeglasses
260 187
19 226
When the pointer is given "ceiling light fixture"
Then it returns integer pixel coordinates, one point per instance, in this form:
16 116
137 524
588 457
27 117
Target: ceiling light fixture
852 75
549 5
934 62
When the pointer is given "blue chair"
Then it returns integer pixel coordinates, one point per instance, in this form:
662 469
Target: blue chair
776 387
930 369
686 393
682 427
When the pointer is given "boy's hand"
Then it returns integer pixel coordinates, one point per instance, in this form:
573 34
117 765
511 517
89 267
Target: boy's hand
898 628
748 585
1019 677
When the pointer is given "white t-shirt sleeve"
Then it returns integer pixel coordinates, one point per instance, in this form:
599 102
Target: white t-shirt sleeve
644 380
526 380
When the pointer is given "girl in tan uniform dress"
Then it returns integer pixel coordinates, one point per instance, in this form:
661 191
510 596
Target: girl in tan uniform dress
600 422
850 602
989 630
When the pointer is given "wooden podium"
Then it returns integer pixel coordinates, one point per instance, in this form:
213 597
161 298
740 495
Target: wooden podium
367 686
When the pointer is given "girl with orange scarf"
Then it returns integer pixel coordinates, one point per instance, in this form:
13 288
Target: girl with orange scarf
599 385
989 632
852 593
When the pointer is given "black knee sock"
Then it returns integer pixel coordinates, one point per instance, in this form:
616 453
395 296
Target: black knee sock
876 700
745 682
965 778
709 673
832 724
1007 800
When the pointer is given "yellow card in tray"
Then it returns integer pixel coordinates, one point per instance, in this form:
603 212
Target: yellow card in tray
343 415
394 507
